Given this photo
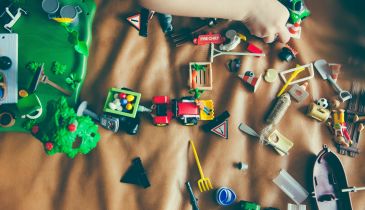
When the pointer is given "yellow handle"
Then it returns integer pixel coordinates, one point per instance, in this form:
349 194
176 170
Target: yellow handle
197 159
292 76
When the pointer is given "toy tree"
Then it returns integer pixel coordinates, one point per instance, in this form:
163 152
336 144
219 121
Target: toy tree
65 132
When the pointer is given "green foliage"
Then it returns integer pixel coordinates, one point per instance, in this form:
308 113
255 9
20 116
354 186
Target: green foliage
28 124
55 130
58 68
33 66
73 38
198 67
197 93
72 81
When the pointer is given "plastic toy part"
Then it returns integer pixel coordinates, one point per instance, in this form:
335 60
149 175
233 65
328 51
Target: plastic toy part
113 103
291 78
322 102
219 125
242 166
200 75
324 70
296 207
8 68
288 54
317 112
7 120
208 39
295 30
193 199
230 45
161 110
234 65
225 196
215 53
308 67
297 10
281 106
204 182
253 48
40 77
30 107
271 75
251 80
281 144
67 132
187 35
13 17
299 93
246 205
291 187
270 137
136 174
135 20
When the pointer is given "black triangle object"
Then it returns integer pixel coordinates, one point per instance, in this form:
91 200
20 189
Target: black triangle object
218 120
136 174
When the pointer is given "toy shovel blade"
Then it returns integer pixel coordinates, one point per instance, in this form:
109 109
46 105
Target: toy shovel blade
323 68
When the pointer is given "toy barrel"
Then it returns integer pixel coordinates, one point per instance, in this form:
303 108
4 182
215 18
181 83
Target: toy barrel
50 6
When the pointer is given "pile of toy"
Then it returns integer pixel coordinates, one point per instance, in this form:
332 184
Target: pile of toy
74 131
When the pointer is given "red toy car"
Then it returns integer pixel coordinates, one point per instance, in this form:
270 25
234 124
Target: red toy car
186 110
208 39
161 110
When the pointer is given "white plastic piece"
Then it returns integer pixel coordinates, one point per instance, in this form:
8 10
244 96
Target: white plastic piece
310 76
216 52
296 207
291 187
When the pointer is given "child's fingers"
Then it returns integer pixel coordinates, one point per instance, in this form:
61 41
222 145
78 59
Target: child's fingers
284 35
270 38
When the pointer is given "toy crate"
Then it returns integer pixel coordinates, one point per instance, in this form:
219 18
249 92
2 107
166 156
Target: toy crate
127 113
204 79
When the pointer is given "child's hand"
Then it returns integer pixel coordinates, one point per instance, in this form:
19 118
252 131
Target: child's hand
267 19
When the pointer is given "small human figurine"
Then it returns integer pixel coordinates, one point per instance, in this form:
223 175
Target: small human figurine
202 107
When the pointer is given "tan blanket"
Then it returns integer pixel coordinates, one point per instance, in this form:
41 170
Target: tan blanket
120 58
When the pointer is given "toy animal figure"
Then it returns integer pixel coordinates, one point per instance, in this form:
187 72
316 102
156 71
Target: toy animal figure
14 18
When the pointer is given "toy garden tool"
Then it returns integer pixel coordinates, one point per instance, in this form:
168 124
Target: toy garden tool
203 183
324 70
41 77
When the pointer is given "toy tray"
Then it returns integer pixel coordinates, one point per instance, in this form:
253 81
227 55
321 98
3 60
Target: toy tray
45 41
127 113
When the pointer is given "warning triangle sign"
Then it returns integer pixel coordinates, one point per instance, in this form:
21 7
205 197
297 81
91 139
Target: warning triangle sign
221 129
135 20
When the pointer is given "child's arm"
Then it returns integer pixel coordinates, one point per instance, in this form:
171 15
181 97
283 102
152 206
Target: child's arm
264 18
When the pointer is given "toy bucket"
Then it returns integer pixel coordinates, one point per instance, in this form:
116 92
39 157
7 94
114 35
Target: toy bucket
70 11
50 6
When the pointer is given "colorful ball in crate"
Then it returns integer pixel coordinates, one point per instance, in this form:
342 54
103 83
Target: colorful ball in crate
122 95
129 106
123 102
130 98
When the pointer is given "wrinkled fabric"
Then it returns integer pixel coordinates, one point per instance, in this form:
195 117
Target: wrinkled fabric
29 179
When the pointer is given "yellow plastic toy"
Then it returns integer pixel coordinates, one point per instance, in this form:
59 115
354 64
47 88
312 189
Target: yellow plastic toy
204 183
207 109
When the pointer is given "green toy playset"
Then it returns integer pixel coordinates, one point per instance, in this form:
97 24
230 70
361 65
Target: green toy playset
43 56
